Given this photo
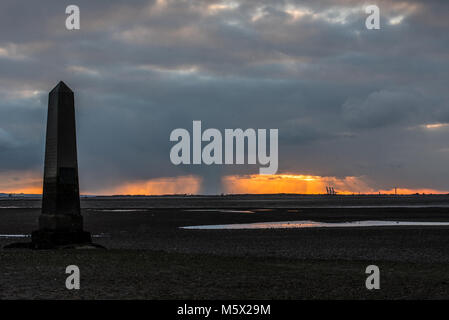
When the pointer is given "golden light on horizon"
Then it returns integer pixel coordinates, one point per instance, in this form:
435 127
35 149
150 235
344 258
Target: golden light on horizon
15 182
410 191
308 184
159 186
29 182
289 183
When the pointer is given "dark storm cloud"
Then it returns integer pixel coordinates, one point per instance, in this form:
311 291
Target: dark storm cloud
346 100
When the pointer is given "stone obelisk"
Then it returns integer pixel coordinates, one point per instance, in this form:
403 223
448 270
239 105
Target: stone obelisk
60 223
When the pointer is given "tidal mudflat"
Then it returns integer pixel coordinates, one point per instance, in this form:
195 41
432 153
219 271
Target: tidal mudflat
150 256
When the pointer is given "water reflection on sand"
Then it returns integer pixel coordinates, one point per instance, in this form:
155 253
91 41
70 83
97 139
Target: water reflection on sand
101 235
315 224
225 210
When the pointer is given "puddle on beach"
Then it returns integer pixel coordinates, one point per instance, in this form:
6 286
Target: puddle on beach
16 207
15 235
219 210
314 224
118 210
102 235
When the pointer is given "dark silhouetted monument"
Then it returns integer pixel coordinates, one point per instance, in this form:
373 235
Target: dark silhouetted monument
60 223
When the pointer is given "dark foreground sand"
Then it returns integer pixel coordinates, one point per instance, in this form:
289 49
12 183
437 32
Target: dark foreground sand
149 257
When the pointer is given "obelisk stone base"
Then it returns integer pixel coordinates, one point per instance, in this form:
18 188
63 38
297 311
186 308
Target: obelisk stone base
50 239
60 222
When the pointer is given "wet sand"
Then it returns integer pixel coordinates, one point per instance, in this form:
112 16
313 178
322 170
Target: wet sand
150 257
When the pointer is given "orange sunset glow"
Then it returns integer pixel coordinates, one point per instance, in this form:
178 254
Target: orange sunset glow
258 184
291 183
307 184
159 186
31 183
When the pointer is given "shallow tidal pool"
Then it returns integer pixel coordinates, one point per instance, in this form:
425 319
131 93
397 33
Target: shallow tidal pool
316 224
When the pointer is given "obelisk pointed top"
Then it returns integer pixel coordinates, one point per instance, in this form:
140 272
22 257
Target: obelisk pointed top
61 87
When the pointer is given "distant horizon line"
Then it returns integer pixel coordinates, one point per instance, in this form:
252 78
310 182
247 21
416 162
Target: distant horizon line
7 194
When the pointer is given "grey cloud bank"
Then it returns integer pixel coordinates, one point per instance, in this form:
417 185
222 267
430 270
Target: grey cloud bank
347 101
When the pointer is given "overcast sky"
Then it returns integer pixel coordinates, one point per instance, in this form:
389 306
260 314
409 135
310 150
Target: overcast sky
348 102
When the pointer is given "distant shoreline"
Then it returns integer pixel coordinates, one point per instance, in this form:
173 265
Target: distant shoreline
291 201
